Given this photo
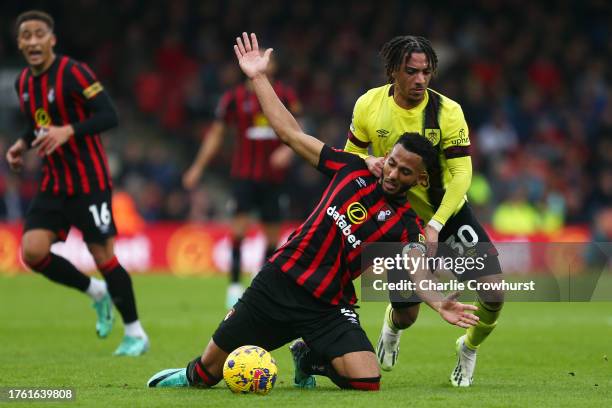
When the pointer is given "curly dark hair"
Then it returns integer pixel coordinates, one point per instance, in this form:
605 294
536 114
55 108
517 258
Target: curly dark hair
394 52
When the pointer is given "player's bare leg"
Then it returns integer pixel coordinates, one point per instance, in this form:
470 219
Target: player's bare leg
135 341
36 253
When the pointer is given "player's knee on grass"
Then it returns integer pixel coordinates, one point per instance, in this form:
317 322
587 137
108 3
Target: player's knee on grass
358 364
361 384
35 247
405 317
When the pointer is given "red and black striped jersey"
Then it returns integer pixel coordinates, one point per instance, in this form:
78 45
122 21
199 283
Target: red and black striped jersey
323 255
256 140
68 93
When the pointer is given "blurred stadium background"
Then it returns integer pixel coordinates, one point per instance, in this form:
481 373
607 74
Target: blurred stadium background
537 98
535 85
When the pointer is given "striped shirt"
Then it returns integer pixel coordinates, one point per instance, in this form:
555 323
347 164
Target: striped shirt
323 255
64 94
256 139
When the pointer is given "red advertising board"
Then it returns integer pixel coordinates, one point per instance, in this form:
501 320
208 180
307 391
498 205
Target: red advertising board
193 249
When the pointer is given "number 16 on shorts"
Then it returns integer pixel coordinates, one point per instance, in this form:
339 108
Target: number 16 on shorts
101 215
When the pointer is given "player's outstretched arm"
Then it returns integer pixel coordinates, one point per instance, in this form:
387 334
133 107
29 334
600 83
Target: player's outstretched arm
254 65
449 309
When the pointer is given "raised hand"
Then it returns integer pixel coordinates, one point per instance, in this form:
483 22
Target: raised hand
251 61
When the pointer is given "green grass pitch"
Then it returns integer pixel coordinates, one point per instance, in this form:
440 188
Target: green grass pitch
541 354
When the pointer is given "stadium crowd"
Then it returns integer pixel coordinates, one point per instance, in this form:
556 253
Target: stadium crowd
537 98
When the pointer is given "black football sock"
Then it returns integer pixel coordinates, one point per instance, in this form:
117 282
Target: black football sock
60 270
236 259
198 375
120 288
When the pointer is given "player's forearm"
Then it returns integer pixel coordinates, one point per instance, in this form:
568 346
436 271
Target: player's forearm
422 279
27 136
461 171
104 117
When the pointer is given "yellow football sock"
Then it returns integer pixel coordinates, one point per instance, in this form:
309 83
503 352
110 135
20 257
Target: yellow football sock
488 320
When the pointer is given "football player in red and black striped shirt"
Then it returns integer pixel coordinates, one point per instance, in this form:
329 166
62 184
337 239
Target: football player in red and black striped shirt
66 108
306 288
257 170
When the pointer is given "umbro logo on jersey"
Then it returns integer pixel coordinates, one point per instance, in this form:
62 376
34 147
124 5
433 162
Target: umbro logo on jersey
361 182
382 132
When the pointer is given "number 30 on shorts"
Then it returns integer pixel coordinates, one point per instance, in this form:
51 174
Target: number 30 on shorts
467 239
101 215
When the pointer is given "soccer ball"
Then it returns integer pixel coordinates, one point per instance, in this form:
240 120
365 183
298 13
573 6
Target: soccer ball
250 369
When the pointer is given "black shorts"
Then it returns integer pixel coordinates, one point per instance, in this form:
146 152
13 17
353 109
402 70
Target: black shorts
263 197
274 310
460 234
91 213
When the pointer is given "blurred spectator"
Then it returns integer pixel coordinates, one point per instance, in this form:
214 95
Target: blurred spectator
538 100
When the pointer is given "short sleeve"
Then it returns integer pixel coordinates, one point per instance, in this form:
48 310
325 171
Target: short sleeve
332 160
84 81
455 133
358 134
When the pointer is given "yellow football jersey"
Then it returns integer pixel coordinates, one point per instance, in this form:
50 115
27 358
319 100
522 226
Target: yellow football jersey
378 122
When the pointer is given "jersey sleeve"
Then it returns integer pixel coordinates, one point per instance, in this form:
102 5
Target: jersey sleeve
226 108
332 160
357 138
102 113
27 132
413 232
455 134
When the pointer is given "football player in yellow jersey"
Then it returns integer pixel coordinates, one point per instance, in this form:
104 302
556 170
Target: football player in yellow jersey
380 116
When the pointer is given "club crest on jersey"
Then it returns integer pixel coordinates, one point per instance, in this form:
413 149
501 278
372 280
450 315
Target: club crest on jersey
51 95
433 135
383 215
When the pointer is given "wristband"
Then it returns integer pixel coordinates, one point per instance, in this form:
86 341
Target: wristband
435 225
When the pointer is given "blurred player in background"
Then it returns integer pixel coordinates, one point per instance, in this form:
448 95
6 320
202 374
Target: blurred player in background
305 289
66 108
380 116
257 170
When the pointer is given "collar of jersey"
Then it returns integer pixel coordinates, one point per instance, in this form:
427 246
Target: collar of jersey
416 111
